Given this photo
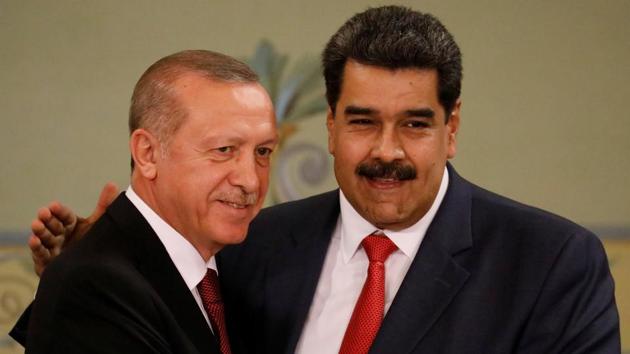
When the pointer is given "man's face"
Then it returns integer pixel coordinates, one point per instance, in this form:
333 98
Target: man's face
213 178
390 142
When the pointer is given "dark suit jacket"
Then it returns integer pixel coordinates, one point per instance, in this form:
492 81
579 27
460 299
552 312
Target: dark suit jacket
117 291
491 276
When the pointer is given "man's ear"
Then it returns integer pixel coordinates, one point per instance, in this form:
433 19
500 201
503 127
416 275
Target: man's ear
145 151
330 126
452 128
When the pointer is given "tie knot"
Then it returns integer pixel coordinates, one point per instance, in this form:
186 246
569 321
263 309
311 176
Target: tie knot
209 287
378 247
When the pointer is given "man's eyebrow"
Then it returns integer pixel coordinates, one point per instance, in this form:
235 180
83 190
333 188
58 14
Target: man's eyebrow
274 140
420 112
360 111
366 111
214 141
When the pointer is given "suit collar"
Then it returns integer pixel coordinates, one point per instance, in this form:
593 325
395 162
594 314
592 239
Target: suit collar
157 267
190 265
294 271
452 225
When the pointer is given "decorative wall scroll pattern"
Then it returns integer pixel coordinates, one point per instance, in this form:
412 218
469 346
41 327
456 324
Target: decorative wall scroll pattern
17 288
300 170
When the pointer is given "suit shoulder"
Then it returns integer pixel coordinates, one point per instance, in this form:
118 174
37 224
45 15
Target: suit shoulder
492 212
301 206
102 260
275 224
486 203
308 210
107 297
93 275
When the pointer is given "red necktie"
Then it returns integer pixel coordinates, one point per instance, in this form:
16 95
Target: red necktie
368 312
211 297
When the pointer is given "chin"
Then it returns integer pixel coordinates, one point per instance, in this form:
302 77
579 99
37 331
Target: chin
387 220
235 237
387 215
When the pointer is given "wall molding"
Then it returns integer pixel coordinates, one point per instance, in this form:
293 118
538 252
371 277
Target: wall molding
605 232
13 238
611 232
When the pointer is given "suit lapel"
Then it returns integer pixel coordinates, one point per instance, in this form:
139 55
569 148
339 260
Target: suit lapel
294 270
157 267
434 277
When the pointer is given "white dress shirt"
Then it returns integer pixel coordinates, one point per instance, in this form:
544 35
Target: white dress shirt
187 260
345 271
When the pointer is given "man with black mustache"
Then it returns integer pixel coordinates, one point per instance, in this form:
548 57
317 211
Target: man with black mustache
407 256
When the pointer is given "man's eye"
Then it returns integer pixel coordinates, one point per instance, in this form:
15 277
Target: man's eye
263 151
225 149
360 121
416 124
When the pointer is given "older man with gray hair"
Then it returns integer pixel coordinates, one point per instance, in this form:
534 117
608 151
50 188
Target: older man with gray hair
144 280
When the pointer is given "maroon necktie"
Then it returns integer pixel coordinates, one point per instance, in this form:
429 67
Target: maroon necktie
368 312
211 297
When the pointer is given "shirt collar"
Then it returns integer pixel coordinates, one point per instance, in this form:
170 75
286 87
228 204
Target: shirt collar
187 260
354 227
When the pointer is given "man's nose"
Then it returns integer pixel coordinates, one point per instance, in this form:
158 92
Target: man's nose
388 147
245 174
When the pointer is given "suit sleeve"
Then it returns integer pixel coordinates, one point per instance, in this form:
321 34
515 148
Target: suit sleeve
93 311
18 332
576 310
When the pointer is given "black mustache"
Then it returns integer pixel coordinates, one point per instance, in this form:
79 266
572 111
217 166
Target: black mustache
380 169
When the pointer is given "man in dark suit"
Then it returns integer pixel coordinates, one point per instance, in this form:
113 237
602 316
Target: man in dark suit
470 271
408 257
143 280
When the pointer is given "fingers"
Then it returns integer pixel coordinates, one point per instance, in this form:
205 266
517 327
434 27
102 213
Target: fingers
63 217
37 249
58 224
40 254
42 231
49 220
44 243
43 215
49 229
107 196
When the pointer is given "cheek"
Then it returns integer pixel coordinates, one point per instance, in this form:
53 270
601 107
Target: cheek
451 148
428 151
351 151
331 142
263 178
344 166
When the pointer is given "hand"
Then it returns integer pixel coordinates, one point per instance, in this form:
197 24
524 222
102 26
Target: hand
57 226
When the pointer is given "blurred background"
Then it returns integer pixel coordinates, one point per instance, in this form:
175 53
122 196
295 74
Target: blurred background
544 119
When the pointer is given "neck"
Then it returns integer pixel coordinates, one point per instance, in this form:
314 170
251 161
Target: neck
144 190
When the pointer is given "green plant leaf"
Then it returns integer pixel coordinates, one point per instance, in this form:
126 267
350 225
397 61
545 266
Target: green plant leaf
291 93
315 105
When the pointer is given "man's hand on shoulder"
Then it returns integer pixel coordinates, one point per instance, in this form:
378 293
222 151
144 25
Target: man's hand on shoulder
57 226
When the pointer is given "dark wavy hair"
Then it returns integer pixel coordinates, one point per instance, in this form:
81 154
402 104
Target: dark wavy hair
394 37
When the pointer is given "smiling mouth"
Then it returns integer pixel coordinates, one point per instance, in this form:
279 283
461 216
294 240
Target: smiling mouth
384 183
384 180
235 205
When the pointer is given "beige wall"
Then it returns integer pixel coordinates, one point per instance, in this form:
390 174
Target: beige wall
544 115
545 119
